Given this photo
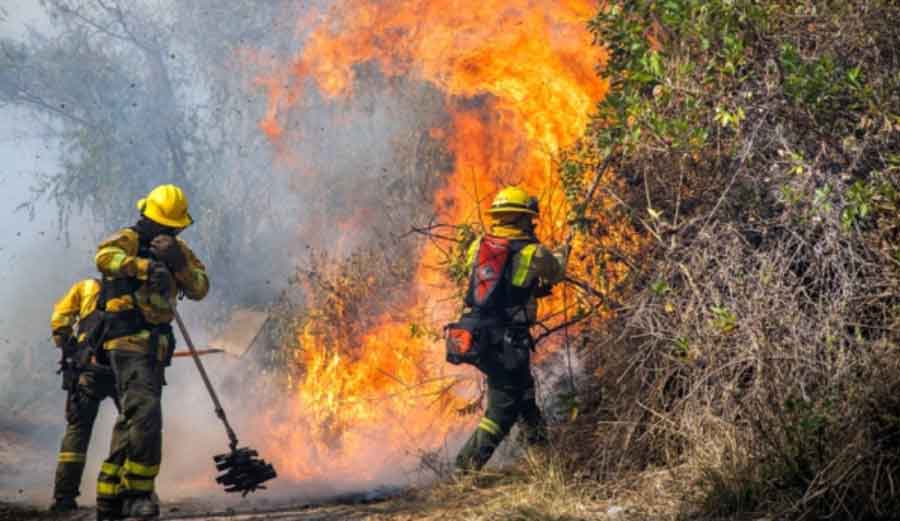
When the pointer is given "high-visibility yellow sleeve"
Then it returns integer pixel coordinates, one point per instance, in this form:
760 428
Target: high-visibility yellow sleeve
192 279
65 311
117 256
79 302
536 262
470 255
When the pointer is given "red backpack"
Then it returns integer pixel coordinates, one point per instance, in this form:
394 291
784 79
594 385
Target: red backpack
485 293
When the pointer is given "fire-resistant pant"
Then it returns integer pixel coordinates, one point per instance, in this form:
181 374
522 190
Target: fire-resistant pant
136 447
511 399
94 385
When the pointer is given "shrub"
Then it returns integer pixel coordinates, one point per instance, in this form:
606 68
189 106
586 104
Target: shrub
758 149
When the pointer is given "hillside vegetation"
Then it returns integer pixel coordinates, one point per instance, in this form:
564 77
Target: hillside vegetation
755 352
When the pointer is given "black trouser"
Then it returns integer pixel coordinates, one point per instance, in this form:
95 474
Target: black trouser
136 447
511 399
94 385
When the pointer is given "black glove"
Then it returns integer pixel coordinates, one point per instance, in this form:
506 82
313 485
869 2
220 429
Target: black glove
166 249
71 347
66 343
72 407
160 278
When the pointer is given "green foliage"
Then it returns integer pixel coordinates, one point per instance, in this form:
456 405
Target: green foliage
660 287
821 84
724 320
456 262
756 144
681 347
859 204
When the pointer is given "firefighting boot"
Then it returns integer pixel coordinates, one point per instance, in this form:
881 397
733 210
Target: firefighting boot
104 514
141 507
63 504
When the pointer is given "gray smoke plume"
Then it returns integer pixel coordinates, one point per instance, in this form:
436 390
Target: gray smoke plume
95 111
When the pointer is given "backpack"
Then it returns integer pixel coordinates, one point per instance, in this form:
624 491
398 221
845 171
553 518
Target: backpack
489 295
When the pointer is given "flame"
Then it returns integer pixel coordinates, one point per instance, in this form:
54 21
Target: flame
519 79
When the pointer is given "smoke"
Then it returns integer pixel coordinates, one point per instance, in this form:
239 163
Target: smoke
37 269
349 176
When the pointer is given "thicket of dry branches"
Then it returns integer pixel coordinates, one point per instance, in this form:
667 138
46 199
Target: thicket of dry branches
757 346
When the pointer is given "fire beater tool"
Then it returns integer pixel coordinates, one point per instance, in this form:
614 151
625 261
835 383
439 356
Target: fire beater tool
241 469
200 352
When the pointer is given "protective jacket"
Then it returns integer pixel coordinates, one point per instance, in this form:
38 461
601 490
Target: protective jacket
137 320
75 315
137 316
77 306
508 273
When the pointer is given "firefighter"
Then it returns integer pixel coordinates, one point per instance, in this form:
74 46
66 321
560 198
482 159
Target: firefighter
509 270
88 383
145 267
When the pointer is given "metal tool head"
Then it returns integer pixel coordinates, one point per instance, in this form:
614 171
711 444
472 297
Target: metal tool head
243 471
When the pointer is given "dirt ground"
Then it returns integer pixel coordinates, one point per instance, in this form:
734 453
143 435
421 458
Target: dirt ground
499 497
398 509
525 492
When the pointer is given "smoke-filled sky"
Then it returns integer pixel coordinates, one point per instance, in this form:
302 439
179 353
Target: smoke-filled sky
37 262
40 264
279 160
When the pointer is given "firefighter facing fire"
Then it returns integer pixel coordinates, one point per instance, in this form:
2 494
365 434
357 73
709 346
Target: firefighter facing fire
88 383
509 270
144 269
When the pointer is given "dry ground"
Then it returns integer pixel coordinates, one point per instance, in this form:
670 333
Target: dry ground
528 492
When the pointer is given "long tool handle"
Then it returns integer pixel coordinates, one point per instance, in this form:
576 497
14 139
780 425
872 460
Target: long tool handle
200 352
220 412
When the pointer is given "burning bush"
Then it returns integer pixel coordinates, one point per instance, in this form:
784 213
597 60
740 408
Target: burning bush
500 89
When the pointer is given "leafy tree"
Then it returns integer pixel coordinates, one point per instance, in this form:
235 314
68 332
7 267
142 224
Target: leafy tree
137 95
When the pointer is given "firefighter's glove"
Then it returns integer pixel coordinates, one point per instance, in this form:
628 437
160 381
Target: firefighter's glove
66 343
160 279
166 249
61 339
73 406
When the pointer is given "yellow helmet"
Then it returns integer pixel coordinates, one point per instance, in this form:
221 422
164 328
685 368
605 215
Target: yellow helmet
513 199
166 205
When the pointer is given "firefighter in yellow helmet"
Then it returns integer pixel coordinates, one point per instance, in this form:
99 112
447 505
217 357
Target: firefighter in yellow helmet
145 267
509 270
74 322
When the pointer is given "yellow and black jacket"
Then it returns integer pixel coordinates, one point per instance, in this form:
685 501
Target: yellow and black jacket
77 306
123 260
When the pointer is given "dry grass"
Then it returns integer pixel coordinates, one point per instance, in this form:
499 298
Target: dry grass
755 351
536 489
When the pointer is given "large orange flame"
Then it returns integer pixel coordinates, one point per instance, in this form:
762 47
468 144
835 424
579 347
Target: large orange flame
520 82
